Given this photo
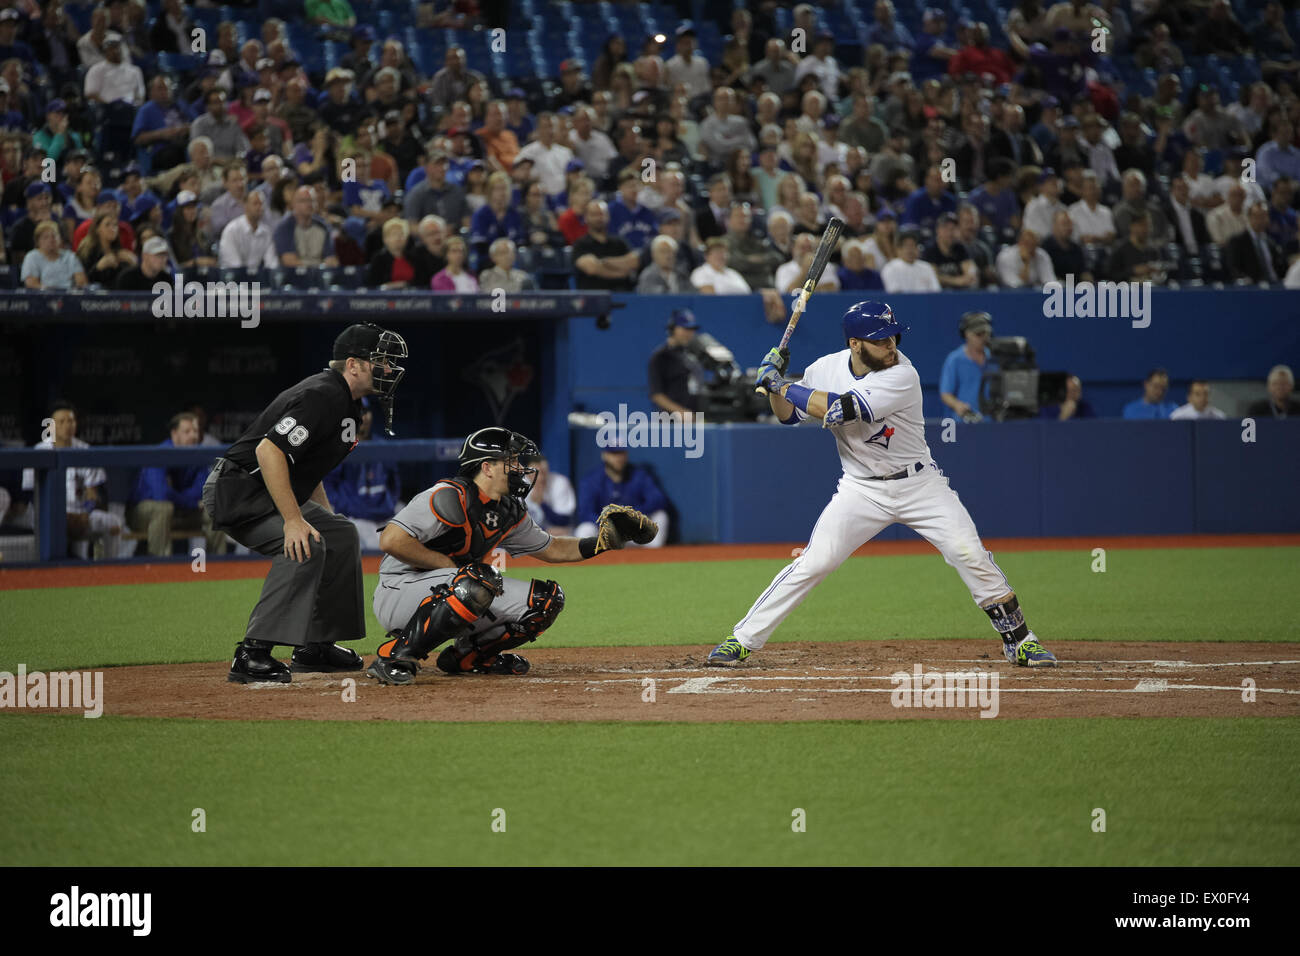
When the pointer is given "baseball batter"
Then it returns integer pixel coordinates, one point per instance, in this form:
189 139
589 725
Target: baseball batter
434 586
869 395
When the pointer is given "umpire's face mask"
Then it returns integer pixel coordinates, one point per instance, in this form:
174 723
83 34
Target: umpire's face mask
386 373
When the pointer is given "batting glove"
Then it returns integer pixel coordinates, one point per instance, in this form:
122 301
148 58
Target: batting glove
779 359
769 377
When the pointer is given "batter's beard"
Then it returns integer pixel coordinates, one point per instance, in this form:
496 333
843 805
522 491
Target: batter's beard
878 365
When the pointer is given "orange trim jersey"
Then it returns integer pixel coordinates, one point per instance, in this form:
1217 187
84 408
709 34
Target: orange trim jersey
456 519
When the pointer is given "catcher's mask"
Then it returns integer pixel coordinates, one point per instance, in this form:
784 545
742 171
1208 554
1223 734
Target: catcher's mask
501 444
381 348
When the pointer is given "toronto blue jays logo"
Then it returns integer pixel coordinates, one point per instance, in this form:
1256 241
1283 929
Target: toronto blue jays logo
882 437
502 373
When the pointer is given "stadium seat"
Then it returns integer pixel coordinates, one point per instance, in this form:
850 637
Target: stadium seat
350 277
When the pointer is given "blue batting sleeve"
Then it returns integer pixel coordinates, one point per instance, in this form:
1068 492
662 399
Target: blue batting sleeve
798 395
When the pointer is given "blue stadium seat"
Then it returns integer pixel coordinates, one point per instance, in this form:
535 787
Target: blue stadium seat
8 277
350 277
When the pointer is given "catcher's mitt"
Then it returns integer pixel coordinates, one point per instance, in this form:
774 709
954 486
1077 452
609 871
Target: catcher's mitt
619 524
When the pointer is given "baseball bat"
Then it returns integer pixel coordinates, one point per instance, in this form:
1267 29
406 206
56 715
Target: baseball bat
829 239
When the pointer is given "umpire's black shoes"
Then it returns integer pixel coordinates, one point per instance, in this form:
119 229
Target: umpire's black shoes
254 664
390 670
324 659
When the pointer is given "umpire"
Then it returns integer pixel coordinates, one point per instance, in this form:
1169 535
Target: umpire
266 493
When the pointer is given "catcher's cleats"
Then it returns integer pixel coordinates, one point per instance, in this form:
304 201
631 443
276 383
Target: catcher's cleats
388 670
619 524
453 661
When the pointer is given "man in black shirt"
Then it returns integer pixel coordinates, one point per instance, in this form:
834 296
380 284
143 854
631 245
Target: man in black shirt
951 261
603 261
267 494
674 371
151 269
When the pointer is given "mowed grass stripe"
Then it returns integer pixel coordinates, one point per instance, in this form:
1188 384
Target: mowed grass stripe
1176 792
1214 594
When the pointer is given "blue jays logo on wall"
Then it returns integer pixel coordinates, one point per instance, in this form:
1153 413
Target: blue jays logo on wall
503 374
882 437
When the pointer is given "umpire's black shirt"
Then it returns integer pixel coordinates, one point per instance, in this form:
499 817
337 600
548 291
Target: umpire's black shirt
310 424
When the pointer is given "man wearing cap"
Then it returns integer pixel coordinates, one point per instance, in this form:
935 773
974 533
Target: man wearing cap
674 374
628 219
150 270
341 111
11 49
162 126
22 235
574 88
114 79
1041 211
55 137
549 157
358 60
267 492
223 130
952 264
434 195
686 67
907 273
934 47
517 119
398 144
453 80
964 367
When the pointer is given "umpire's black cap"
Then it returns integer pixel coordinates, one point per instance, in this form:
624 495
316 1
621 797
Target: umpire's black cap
357 341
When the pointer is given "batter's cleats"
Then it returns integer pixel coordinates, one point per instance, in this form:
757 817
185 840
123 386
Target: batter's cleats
1029 653
729 652
253 664
324 659
393 671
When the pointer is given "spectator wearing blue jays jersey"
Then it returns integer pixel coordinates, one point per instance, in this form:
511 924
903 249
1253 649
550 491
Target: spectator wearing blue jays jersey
495 219
620 483
364 491
924 207
628 219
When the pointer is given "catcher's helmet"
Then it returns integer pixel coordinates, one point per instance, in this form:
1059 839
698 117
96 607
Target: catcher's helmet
872 320
501 444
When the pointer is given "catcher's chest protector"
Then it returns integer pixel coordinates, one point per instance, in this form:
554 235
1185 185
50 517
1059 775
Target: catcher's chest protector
472 525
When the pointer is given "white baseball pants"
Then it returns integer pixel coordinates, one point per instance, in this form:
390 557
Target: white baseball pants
856 513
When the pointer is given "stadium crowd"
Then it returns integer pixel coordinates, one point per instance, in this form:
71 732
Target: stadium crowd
966 155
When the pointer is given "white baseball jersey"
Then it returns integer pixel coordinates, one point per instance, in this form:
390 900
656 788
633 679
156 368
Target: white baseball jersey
894 437
78 479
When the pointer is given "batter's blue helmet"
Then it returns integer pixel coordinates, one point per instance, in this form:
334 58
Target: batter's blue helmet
871 320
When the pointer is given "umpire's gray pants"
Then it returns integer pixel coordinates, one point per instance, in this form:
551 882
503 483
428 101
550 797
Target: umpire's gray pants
319 600
398 596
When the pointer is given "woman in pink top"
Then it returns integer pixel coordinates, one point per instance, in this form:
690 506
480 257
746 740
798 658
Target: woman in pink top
455 278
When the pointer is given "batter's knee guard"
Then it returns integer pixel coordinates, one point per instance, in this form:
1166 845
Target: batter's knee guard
449 612
545 602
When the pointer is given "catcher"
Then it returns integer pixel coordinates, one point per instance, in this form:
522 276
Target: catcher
433 584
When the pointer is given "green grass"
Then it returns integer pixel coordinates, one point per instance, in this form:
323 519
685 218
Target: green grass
120 791
1144 595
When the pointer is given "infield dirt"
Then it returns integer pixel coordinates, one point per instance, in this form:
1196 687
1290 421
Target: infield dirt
783 682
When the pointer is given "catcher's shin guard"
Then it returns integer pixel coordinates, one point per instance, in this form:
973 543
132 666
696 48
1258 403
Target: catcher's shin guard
449 612
545 602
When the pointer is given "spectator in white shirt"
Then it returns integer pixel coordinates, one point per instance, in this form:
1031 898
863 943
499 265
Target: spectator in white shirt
791 275
1025 265
908 273
1232 176
1040 212
1230 218
714 277
687 67
549 157
1093 222
1198 403
822 64
589 144
247 242
1101 159
1202 191
114 78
